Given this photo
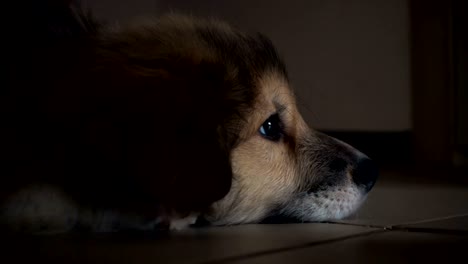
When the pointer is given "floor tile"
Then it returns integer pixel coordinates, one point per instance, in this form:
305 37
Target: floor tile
457 224
192 246
407 201
388 247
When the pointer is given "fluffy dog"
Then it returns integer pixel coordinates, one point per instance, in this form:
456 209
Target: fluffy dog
159 123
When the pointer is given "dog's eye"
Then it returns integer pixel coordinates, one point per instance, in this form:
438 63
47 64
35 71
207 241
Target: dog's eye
272 128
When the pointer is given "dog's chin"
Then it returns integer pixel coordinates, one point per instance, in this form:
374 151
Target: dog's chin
319 206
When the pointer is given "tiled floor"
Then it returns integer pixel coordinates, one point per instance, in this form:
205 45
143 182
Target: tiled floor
410 216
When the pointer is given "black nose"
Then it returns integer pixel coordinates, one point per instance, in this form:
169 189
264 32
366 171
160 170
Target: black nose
365 173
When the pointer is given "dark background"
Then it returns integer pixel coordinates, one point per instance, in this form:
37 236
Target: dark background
388 76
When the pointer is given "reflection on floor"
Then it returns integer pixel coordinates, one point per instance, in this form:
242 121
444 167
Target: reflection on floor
412 215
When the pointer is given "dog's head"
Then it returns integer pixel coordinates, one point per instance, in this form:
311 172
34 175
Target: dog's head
282 167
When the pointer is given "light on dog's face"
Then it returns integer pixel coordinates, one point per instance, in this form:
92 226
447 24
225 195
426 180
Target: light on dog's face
282 167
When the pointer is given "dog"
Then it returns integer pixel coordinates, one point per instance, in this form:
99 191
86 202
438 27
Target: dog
161 123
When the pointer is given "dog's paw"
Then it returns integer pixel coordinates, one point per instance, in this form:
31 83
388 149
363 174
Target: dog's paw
183 223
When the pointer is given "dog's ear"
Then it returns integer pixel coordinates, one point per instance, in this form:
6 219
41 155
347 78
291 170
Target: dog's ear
49 20
41 26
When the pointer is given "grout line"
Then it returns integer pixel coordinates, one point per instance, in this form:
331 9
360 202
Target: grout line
433 219
361 225
431 230
382 229
407 226
290 248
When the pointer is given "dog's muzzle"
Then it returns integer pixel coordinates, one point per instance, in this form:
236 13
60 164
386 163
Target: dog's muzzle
338 161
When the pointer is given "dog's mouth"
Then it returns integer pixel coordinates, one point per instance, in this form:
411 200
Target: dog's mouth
273 218
319 205
280 218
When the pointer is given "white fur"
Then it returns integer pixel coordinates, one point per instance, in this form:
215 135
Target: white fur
331 204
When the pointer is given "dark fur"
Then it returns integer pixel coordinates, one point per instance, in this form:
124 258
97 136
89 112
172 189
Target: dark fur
124 122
